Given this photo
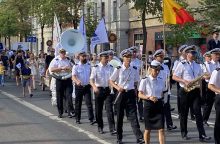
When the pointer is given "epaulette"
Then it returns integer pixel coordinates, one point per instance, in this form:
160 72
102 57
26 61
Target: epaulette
144 77
110 65
183 62
135 67
67 58
217 69
56 59
88 63
95 66
76 64
159 77
118 67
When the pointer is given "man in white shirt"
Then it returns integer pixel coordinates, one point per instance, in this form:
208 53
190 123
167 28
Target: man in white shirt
99 81
127 77
214 85
80 76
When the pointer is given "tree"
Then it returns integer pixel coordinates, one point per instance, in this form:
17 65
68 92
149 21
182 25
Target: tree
209 11
146 7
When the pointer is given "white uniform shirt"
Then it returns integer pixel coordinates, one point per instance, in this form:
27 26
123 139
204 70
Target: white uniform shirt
137 63
215 78
181 59
187 71
82 72
101 74
57 62
215 65
122 74
165 75
207 67
152 86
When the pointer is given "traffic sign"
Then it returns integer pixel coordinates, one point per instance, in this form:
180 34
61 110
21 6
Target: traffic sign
31 39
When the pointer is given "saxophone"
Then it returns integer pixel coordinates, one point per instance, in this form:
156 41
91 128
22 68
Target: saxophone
194 84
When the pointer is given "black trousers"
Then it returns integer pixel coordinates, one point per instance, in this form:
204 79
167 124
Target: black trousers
178 98
208 103
187 100
127 102
100 98
85 91
217 120
64 89
167 112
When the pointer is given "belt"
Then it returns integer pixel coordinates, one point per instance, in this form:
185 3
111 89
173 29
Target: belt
82 86
103 87
129 90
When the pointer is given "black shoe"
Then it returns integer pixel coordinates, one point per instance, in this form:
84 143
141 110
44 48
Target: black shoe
78 122
140 141
113 132
100 130
205 123
60 116
204 138
119 142
172 127
186 137
71 115
172 109
193 117
92 122
31 95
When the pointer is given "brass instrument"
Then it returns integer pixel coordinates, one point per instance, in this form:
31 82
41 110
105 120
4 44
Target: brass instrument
194 84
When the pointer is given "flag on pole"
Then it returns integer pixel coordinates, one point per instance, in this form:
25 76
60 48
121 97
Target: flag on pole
100 36
82 29
173 13
56 35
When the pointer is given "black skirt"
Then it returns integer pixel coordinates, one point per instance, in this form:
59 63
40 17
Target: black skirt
153 115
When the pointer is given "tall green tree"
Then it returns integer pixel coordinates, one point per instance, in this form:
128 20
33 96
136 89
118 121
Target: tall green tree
146 7
210 10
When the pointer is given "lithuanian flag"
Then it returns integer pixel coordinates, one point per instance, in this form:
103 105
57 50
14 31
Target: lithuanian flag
173 13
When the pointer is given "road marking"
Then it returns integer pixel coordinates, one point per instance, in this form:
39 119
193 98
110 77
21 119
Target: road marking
53 117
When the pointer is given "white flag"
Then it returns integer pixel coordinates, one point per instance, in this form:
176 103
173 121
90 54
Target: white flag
82 29
100 36
56 34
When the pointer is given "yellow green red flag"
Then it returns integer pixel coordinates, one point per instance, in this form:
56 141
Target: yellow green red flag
173 13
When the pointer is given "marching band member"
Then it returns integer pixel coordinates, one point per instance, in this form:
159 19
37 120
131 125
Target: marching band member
151 91
210 95
137 63
127 77
181 59
214 85
99 81
184 74
165 75
80 76
62 65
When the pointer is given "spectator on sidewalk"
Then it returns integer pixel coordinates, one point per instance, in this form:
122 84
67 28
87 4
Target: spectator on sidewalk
2 71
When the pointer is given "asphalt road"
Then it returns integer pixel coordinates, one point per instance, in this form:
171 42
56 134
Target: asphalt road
34 120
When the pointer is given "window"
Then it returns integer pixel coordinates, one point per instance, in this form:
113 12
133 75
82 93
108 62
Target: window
114 10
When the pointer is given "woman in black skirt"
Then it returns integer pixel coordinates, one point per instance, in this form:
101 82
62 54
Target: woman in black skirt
151 91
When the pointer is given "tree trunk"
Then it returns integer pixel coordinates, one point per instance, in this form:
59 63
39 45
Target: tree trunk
144 32
9 42
21 38
5 41
42 37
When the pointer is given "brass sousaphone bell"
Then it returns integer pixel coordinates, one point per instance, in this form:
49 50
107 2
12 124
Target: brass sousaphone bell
72 41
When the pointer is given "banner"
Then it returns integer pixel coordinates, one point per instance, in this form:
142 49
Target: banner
82 29
56 34
100 36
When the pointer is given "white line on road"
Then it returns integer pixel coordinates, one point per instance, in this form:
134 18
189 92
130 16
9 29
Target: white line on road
53 117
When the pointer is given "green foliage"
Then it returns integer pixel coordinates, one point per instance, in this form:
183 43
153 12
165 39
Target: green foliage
210 10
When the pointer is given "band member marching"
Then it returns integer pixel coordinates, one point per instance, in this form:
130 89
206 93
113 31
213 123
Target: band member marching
165 75
127 77
184 74
214 85
210 95
80 76
151 91
62 66
99 81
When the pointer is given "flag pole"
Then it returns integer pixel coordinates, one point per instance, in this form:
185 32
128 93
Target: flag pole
164 36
